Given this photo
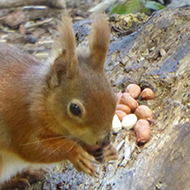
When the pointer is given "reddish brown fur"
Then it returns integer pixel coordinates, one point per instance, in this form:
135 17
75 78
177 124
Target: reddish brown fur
34 97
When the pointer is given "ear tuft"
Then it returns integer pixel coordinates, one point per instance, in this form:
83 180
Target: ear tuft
99 39
65 63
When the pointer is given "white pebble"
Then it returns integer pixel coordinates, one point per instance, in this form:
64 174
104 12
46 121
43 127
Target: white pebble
116 124
129 121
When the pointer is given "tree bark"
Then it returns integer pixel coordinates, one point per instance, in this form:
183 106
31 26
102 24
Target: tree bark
156 56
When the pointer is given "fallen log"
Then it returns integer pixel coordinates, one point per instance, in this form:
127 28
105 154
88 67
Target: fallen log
156 55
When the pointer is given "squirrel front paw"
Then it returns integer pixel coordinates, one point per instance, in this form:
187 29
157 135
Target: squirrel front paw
82 160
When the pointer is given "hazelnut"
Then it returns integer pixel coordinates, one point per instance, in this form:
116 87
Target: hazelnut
143 134
144 112
147 94
119 94
139 123
134 90
129 121
123 108
90 148
120 114
129 101
116 124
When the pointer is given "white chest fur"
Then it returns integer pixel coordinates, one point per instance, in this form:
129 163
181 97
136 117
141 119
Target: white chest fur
12 164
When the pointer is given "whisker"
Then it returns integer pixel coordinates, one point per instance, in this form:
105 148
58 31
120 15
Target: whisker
51 148
70 148
42 140
51 152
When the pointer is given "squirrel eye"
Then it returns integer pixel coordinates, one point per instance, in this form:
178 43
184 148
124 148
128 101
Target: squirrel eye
75 109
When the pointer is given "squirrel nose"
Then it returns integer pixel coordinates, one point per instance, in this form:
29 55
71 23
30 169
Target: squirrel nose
106 141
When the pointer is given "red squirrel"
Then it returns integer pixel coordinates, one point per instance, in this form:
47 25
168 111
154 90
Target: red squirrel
49 110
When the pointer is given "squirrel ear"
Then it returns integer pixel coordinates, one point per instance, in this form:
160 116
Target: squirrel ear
65 62
99 38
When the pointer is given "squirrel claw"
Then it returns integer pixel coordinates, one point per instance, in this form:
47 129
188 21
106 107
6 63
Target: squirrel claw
96 174
83 161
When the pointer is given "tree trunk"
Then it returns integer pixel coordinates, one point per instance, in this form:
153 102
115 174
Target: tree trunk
157 56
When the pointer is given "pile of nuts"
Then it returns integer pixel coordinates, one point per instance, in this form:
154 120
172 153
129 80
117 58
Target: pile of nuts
130 115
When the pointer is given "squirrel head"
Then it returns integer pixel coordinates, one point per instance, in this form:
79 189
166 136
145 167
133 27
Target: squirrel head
81 97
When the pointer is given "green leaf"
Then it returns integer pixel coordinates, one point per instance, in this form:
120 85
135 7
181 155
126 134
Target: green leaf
154 5
146 11
120 9
130 6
